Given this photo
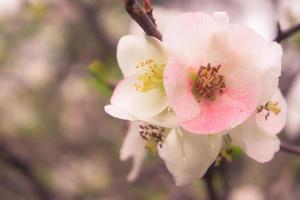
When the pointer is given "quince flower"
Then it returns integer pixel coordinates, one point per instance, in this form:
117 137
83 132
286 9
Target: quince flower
188 156
141 95
218 73
208 86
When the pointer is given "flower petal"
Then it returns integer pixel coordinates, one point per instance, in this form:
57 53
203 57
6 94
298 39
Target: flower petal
133 49
119 113
166 119
178 90
252 51
133 146
188 156
188 36
274 123
221 17
257 144
138 104
238 101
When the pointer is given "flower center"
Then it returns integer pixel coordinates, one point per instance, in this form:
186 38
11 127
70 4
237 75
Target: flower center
208 83
270 106
151 76
154 136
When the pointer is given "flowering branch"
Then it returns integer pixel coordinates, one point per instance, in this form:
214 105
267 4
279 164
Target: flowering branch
142 17
289 148
282 35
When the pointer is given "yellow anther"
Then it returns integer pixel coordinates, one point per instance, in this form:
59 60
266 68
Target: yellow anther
270 106
274 107
151 77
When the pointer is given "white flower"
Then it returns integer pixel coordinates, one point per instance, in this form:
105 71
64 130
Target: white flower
133 146
140 95
188 156
221 81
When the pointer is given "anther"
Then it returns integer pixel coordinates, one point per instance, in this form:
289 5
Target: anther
269 107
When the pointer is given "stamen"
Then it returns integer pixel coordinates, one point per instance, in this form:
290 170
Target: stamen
269 107
152 78
154 135
208 83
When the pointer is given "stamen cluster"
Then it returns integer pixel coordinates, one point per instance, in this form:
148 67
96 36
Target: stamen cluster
208 83
269 107
151 78
154 135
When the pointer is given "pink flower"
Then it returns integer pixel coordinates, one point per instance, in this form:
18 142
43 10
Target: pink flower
217 73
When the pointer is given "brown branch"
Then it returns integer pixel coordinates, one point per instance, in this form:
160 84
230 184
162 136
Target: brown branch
282 35
149 10
290 148
140 16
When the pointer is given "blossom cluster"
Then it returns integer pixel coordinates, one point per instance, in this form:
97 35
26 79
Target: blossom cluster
209 86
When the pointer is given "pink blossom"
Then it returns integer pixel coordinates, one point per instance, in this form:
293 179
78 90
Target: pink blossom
217 73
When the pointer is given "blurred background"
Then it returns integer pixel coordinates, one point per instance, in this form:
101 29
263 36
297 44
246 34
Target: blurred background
57 68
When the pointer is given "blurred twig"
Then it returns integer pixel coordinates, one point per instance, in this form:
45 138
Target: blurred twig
25 167
140 16
90 14
282 35
212 195
290 148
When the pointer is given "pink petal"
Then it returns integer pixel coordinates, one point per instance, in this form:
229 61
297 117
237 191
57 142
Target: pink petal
178 90
188 36
234 106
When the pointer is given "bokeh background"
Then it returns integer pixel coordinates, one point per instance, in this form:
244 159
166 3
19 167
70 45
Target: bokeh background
57 69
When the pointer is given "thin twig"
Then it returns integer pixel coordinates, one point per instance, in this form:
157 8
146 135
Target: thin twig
140 16
90 15
290 148
149 10
282 35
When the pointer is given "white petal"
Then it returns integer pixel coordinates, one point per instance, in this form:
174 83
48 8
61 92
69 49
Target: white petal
132 50
119 113
133 146
166 119
274 123
221 17
141 105
188 36
257 144
250 50
188 156
270 78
